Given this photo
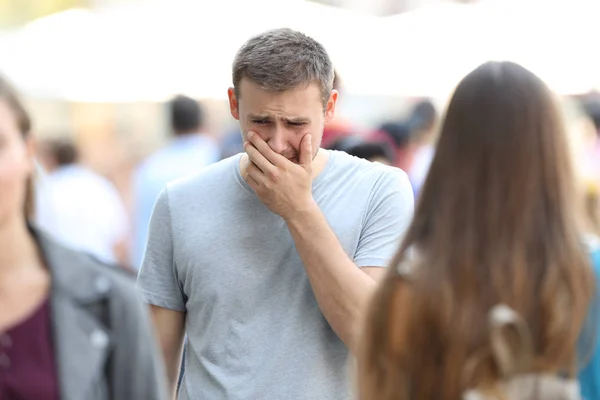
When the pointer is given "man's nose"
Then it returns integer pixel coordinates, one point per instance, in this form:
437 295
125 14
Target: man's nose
278 141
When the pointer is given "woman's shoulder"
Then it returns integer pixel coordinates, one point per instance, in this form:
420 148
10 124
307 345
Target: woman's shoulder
123 280
127 311
83 277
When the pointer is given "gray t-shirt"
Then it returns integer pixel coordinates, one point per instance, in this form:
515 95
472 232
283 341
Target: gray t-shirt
255 331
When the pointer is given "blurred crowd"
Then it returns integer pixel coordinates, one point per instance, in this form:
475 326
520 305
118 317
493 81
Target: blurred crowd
114 234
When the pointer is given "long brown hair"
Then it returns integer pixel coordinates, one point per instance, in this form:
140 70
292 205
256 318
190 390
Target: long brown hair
9 95
496 224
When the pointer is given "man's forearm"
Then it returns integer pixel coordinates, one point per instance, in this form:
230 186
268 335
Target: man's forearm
341 288
170 329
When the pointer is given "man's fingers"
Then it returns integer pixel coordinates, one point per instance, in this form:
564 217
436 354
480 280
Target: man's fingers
252 183
306 155
265 150
256 174
255 156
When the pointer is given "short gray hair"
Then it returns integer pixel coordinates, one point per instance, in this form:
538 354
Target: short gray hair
283 59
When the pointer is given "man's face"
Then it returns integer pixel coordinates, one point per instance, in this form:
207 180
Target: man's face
282 119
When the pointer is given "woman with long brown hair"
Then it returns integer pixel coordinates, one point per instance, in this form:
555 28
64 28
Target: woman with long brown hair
493 281
71 327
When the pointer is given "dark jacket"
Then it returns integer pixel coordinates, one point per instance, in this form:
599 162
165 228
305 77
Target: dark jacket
103 341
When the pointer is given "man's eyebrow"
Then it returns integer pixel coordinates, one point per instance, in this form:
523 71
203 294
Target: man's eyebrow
267 117
297 120
259 117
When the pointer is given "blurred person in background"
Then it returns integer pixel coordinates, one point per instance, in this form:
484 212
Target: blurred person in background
396 136
339 127
84 209
591 158
582 118
359 147
267 259
491 295
423 124
70 326
374 152
231 142
591 105
346 143
190 150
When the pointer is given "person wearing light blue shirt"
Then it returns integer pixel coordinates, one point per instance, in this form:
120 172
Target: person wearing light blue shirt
188 152
589 377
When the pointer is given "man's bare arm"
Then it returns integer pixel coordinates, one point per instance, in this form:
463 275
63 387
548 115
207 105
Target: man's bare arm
170 330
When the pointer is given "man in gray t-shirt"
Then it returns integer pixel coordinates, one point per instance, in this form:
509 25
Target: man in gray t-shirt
267 259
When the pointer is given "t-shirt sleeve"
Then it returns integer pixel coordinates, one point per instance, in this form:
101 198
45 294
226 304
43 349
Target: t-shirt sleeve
158 280
388 215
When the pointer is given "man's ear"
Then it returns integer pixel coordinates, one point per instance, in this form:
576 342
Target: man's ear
233 104
330 107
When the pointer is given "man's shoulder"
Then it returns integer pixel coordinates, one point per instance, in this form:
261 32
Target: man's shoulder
213 177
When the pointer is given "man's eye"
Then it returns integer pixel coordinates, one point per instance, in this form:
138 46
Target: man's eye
297 123
261 121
